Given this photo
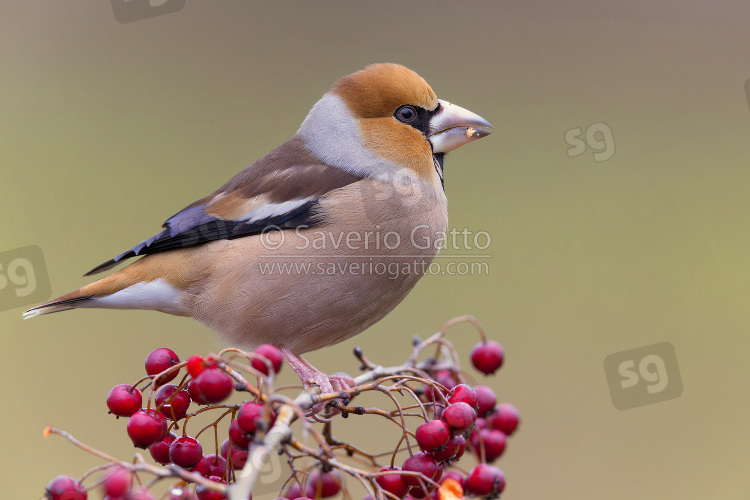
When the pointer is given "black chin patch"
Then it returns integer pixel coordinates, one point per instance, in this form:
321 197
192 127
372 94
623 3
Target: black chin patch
437 160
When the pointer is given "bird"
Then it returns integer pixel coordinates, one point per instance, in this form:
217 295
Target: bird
317 240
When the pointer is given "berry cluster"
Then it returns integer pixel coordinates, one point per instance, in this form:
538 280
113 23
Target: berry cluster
470 418
207 383
455 415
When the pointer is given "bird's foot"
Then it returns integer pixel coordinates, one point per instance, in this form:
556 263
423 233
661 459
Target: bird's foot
311 376
341 381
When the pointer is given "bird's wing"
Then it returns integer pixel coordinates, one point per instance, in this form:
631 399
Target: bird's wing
281 190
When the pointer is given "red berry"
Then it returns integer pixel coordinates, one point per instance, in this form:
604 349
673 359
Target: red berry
294 491
474 439
459 417
117 483
238 437
159 360
272 354
461 447
494 444
195 394
214 385
239 457
485 480
211 465
439 473
481 424
446 378
178 407
393 483
195 365
323 484
450 450
224 446
431 395
464 394
486 400
443 377
487 356
505 418
124 400
217 465
65 488
419 462
186 452
418 492
202 468
147 427
249 416
203 493
432 435
160 451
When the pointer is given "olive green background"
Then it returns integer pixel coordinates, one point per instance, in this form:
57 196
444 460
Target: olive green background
107 129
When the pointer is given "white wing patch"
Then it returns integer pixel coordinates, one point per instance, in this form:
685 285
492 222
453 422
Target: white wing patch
155 295
274 209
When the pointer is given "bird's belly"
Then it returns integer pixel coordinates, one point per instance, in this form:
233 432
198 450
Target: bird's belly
311 288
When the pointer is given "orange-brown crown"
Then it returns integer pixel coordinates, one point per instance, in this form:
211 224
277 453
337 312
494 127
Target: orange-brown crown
379 89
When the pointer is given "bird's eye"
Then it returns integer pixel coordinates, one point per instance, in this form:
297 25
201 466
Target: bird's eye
406 114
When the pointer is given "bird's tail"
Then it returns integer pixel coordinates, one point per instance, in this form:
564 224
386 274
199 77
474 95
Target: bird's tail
144 284
66 302
86 296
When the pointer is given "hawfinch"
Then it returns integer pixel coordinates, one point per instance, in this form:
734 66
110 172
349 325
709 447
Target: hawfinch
317 240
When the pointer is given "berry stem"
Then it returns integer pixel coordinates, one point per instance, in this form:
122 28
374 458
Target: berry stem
215 422
464 319
96 469
140 464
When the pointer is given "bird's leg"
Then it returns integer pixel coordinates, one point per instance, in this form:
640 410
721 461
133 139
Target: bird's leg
307 372
312 376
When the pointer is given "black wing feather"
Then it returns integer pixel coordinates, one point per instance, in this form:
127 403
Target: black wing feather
192 227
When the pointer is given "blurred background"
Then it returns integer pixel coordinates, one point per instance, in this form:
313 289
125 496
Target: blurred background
615 190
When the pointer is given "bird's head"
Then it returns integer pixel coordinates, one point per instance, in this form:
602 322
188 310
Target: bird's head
384 118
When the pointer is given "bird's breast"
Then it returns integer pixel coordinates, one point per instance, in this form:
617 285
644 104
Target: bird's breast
312 287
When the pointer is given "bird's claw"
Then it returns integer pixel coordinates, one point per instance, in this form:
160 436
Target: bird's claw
316 381
327 384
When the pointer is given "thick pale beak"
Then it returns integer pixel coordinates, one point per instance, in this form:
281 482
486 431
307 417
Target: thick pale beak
454 126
